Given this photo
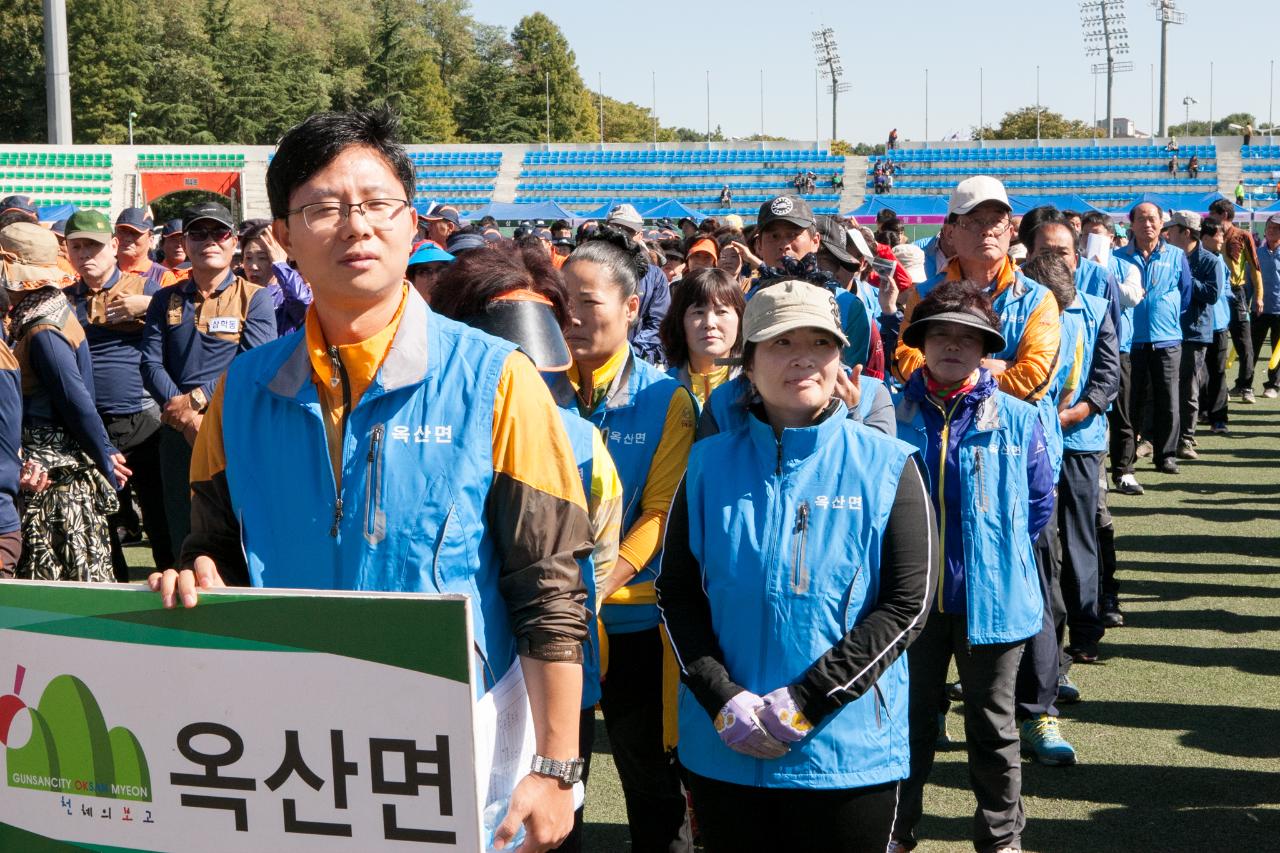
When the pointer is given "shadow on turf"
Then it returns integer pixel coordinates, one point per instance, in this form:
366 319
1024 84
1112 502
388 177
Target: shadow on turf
1138 589
1221 729
1164 809
1172 544
1213 619
1254 661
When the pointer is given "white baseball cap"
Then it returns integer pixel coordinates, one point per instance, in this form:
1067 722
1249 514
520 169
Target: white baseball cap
972 192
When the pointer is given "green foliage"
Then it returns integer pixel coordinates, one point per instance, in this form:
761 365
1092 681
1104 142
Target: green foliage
543 59
490 109
22 108
1021 124
1221 127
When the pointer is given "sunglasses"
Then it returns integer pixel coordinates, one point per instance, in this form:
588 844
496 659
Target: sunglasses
218 234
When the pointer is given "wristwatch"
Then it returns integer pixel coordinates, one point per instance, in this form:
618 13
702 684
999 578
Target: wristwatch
199 401
568 772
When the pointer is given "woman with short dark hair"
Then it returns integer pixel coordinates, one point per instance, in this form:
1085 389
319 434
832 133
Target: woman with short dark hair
701 328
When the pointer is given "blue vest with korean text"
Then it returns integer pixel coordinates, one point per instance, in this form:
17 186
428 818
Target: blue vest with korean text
1158 317
417 465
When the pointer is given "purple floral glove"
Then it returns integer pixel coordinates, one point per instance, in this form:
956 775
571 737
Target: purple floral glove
741 731
782 718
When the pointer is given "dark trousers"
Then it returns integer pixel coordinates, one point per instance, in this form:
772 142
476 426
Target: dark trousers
632 704
137 436
1241 336
1264 325
175 472
586 739
987 675
1106 528
1124 444
1077 528
1037 686
1189 373
1153 390
1213 396
740 818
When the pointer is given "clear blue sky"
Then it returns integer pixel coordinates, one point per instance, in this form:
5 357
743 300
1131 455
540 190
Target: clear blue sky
885 54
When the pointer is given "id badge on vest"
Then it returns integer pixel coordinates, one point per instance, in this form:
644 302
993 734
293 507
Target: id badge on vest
224 326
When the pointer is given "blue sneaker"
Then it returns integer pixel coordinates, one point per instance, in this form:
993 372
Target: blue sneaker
1040 738
1068 692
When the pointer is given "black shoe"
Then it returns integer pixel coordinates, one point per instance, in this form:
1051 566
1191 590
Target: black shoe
1084 654
1111 615
1127 484
1168 466
955 692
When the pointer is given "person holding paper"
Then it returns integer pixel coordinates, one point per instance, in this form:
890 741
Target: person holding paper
386 448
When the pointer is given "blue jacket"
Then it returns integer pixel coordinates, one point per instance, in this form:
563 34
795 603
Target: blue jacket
188 341
1208 281
116 348
1166 277
57 387
1094 279
1222 309
788 535
1096 364
1269 266
992 486
580 430
10 439
415 510
633 415
655 299
1124 329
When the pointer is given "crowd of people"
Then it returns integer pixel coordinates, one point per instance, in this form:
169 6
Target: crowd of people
747 489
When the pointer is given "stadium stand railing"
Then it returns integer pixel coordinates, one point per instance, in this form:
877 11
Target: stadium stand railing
585 179
51 179
190 161
1098 173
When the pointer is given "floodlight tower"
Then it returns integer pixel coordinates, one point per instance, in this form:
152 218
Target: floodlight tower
1169 14
828 56
1103 24
57 75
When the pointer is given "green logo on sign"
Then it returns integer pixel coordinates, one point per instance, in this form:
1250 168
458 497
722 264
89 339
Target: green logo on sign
70 750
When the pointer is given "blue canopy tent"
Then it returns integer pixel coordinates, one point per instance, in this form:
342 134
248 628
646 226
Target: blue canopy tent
1022 203
673 210
520 211
911 209
55 212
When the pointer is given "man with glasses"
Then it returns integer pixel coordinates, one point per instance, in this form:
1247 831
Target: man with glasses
387 448
980 230
192 332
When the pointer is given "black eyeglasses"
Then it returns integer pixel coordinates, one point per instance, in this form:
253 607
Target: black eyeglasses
218 234
379 213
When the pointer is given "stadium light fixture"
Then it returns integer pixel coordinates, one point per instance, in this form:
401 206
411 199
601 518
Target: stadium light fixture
827 54
1105 33
1187 103
1169 14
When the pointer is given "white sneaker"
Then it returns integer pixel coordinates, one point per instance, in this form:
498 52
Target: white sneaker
1271 393
895 846
1128 485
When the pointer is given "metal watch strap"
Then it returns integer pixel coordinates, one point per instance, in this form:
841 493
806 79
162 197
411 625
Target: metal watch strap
568 772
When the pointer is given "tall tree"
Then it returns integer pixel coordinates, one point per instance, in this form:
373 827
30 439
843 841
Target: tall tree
544 60
1021 124
110 43
23 116
491 109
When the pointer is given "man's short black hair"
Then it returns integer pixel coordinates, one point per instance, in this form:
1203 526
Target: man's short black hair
310 146
1224 209
1094 218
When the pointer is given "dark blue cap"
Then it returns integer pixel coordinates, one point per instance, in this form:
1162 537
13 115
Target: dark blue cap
135 219
17 202
173 226
465 242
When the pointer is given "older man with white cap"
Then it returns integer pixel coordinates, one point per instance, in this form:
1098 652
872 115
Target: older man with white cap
654 292
981 228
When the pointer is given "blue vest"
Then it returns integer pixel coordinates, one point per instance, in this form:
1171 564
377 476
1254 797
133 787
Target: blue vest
1157 318
1002 585
1047 406
1124 331
1090 435
790 564
580 432
417 465
632 416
